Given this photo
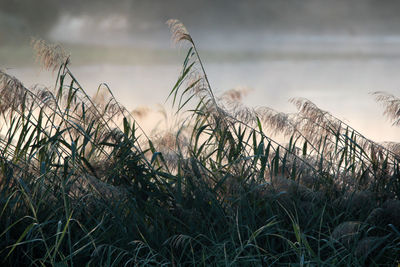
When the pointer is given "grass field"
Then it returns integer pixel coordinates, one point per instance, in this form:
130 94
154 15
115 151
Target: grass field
82 185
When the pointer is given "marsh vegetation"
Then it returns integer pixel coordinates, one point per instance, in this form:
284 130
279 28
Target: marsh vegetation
82 184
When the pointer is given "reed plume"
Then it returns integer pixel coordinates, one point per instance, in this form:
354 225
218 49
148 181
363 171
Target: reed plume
179 31
12 94
391 104
51 56
141 112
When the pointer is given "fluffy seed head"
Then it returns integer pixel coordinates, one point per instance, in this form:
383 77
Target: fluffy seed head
179 31
12 93
51 56
391 104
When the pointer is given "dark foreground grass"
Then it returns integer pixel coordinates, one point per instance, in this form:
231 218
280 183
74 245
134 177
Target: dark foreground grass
82 185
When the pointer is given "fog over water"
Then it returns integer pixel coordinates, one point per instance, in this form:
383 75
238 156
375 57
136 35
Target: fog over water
333 53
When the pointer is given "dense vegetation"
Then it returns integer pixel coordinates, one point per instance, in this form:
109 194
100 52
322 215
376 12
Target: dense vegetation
82 184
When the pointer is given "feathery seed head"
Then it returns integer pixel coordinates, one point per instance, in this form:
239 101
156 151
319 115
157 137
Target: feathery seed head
51 56
12 93
141 112
179 31
278 122
235 94
391 104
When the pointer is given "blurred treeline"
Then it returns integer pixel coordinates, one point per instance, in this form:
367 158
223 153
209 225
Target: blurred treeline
24 18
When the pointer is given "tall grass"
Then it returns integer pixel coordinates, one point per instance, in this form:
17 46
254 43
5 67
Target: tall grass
82 184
